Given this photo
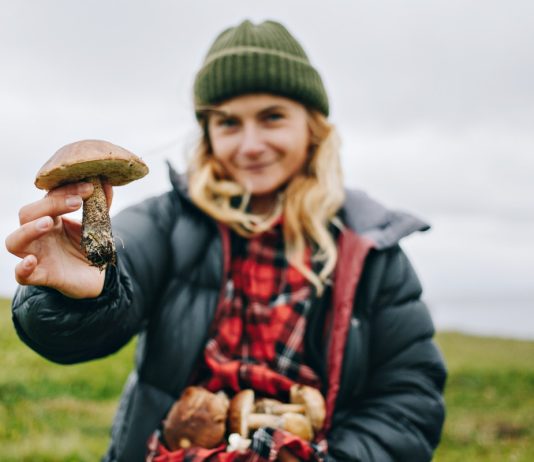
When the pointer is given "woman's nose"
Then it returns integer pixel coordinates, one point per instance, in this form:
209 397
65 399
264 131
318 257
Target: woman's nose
251 143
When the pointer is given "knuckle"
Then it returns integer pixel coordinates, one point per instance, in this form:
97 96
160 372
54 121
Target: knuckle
7 243
24 215
54 203
21 280
54 192
10 243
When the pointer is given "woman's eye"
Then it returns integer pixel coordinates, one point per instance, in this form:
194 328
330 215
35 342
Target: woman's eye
273 116
227 122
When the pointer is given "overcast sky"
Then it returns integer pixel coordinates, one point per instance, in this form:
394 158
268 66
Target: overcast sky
434 101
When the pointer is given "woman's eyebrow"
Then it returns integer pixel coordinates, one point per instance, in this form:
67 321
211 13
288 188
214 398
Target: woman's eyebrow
275 107
212 111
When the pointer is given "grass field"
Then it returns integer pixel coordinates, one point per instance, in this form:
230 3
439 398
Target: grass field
63 413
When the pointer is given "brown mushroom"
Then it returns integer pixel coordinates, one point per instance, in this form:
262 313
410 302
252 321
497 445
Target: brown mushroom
274 406
242 419
297 424
241 406
198 418
93 161
304 400
313 402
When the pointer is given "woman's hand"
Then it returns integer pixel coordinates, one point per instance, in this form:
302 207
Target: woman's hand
49 244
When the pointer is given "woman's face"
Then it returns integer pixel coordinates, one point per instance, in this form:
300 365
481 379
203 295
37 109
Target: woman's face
261 140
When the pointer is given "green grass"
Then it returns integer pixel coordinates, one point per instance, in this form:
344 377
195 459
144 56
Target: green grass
54 413
490 399
50 412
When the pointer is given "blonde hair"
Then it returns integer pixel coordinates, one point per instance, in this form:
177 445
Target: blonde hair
309 202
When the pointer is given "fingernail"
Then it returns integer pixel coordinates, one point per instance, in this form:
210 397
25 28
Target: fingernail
85 188
73 201
43 223
27 262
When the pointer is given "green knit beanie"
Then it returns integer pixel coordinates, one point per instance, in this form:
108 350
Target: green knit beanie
264 58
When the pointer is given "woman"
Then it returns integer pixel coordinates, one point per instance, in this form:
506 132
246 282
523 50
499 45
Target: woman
257 270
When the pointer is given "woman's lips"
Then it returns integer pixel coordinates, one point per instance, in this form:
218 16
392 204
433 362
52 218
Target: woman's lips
257 166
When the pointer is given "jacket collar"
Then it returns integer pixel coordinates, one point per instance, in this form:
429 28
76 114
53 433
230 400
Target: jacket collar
362 214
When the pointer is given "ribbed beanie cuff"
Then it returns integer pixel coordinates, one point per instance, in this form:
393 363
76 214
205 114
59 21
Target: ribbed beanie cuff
262 58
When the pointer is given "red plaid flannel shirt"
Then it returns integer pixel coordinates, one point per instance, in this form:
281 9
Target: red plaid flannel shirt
257 342
259 338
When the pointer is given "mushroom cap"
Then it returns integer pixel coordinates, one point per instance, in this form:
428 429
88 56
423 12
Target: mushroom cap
313 400
89 158
241 405
198 418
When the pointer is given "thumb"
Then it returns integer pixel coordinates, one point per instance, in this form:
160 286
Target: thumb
27 272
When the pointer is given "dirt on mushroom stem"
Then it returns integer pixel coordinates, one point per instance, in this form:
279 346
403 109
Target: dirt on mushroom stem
97 240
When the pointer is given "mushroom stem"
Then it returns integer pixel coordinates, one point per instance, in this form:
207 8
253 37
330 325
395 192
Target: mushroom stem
273 406
256 421
237 443
97 240
291 422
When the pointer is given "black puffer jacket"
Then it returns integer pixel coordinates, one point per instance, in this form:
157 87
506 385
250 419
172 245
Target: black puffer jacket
385 376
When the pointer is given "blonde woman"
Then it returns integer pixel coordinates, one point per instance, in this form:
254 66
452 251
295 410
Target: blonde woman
257 270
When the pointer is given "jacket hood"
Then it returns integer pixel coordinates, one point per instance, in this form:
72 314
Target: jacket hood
362 214
370 219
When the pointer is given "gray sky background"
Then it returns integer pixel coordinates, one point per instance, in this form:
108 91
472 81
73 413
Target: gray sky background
434 102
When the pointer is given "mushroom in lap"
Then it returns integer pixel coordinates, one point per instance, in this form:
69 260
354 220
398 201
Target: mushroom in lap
313 402
198 418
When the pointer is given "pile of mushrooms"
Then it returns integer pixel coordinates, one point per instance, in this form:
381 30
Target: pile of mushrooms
201 418
303 416
94 161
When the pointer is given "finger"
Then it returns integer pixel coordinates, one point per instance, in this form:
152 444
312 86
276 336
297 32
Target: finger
57 202
19 241
82 188
49 206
